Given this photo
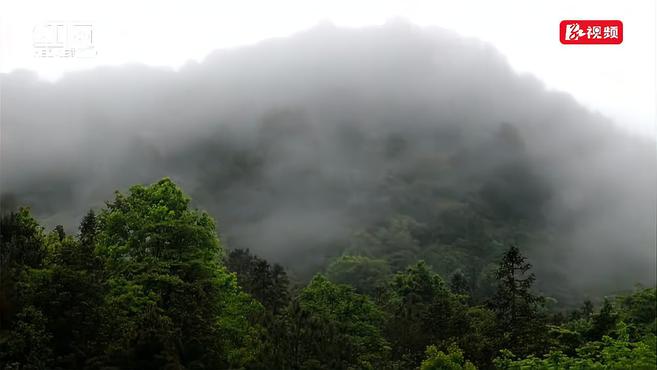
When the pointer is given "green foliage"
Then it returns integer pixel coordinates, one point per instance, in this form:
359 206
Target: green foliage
28 344
603 322
177 305
521 325
367 275
422 311
21 248
452 360
616 345
267 284
479 338
397 240
143 286
328 326
458 283
154 223
21 240
639 311
563 339
616 354
356 337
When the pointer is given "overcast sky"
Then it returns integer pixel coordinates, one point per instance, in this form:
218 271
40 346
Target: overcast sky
617 80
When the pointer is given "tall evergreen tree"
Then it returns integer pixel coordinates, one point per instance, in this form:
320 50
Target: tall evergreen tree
520 323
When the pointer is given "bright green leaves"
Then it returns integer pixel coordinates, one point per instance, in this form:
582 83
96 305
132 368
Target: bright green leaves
154 221
439 360
173 299
609 354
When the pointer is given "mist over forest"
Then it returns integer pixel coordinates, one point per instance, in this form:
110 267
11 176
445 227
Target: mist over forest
394 142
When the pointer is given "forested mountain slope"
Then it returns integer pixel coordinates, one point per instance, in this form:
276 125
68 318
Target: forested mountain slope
146 283
395 143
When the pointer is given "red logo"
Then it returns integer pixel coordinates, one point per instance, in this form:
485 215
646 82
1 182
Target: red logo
590 32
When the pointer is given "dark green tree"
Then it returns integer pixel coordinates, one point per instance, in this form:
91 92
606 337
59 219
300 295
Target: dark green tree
367 275
21 249
603 322
520 323
459 283
330 326
639 311
70 296
267 284
28 345
422 312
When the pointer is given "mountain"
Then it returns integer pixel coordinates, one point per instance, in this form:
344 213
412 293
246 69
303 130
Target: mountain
396 142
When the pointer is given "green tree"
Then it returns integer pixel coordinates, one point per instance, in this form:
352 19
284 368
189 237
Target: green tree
171 303
24 338
367 275
28 345
459 283
478 336
639 311
396 241
603 322
21 248
608 354
439 360
69 293
333 327
422 311
520 324
267 284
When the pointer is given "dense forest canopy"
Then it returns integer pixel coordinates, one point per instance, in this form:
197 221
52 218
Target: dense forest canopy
396 141
145 283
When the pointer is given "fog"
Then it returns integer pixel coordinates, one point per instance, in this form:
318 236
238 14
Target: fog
294 144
